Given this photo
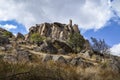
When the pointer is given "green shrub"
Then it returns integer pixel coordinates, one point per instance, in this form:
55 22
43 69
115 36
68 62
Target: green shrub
7 34
36 37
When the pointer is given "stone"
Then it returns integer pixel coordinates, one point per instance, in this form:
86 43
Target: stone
114 64
87 54
61 51
2 48
4 40
62 45
60 59
75 28
9 47
10 58
47 47
75 61
20 36
47 57
78 61
37 49
23 55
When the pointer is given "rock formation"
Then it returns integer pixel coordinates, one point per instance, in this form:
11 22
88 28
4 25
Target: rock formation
20 36
54 30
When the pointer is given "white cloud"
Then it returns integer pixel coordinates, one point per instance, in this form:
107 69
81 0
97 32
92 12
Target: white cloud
115 50
89 14
8 26
116 6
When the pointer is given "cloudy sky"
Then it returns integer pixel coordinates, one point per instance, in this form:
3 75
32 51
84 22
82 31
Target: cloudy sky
96 18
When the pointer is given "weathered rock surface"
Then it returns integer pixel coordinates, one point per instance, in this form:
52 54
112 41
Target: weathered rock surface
23 55
2 48
62 45
78 61
20 36
48 47
47 57
10 58
54 47
60 59
54 30
3 40
115 64
87 54
5 33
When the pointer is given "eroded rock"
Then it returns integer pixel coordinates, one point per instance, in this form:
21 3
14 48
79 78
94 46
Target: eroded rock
60 59
47 57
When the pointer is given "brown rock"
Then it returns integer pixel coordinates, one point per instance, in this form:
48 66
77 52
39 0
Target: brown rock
20 36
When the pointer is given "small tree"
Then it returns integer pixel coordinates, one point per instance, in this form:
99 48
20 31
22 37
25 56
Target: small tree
76 41
100 46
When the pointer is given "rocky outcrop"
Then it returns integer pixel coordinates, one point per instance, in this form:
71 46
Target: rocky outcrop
114 64
3 40
20 36
62 47
6 33
23 55
47 57
53 47
54 30
78 61
60 59
10 58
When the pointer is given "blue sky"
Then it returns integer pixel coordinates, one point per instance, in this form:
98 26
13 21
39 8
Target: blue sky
19 27
96 18
110 33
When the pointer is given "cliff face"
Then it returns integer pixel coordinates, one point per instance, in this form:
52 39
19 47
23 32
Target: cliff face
54 30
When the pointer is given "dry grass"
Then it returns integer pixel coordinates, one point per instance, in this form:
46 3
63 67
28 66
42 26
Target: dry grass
37 70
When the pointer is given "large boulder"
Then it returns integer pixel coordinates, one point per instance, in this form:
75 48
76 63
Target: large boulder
23 55
87 54
78 61
114 64
47 57
20 36
62 46
2 48
10 58
48 47
9 47
75 61
4 40
60 59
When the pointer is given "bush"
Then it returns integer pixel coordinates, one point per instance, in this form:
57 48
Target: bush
36 37
7 34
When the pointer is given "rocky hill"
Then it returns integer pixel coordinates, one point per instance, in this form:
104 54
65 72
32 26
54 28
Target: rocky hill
52 47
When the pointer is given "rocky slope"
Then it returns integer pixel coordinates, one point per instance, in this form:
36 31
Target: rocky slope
53 47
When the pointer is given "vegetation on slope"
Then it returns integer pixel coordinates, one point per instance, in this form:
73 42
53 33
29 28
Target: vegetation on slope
54 71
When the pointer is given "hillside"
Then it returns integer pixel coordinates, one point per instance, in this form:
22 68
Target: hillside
55 48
